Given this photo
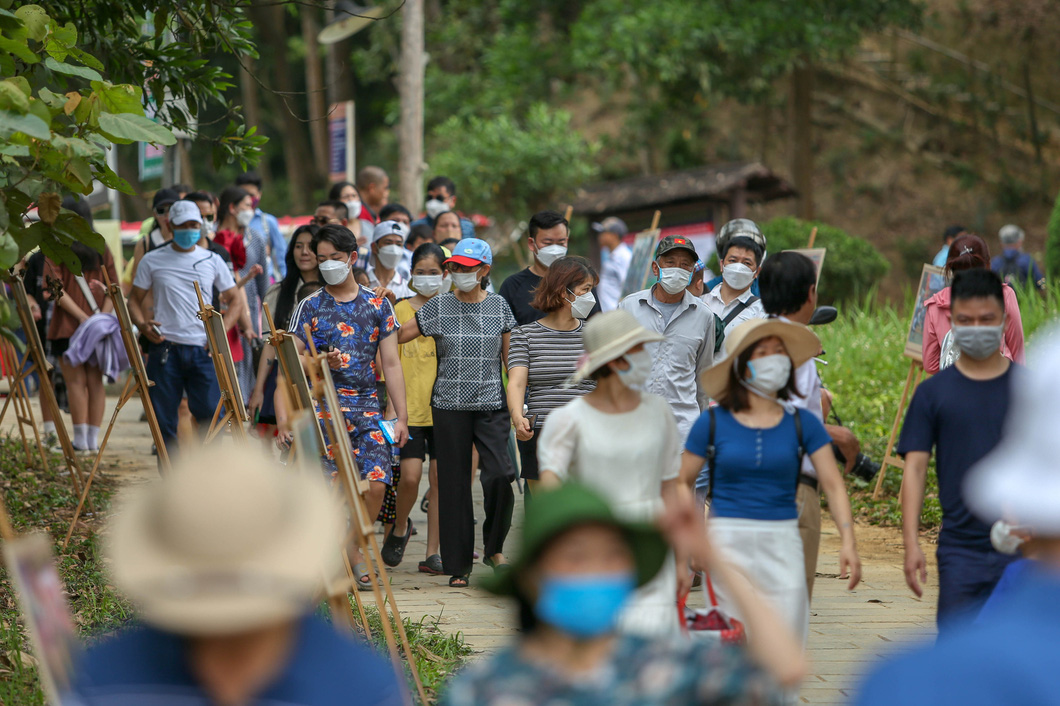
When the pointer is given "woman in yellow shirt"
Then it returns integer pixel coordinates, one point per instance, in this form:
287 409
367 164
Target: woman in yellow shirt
420 365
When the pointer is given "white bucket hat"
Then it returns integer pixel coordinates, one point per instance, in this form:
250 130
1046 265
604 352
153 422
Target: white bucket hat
225 543
609 336
1019 481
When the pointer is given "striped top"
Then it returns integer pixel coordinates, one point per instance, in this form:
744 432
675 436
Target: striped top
550 357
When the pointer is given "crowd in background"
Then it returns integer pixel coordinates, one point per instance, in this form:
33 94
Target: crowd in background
621 415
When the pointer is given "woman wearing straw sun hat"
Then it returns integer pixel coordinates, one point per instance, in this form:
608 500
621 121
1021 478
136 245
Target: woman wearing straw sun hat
622 443
224 559
752 444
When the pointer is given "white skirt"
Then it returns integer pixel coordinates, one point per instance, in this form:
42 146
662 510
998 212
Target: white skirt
769 553
652 612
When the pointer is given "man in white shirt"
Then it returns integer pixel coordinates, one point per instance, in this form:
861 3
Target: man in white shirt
178 361
617 257
687 325
386 269
732 301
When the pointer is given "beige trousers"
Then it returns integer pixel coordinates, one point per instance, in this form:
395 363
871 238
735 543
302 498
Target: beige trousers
809 502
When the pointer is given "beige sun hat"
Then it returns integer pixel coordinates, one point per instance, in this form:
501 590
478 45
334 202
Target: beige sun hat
800 342
609 336
227 542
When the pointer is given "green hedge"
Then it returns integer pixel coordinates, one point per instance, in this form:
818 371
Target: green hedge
852 266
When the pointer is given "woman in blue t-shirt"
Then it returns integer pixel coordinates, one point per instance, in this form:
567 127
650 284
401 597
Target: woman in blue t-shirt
757 446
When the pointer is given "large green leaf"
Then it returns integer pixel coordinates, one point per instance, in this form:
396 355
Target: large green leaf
20 48
110 179
122 98
71 70
4 220
28 124
73 226
129 127
53 100
35 20
59 252
12 97
9 254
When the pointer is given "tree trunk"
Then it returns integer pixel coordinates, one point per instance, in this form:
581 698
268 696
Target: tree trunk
251 96
314 82
413 66
802 138
269 18
1032 116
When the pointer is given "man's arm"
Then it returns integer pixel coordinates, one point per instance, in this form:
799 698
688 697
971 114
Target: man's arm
395 385
914 478
279 247
148 328
704 359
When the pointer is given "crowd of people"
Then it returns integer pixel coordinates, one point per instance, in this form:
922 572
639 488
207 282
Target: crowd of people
623 416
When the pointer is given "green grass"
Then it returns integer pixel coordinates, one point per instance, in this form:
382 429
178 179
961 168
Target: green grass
44 501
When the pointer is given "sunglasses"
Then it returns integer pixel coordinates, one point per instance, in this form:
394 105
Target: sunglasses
162 210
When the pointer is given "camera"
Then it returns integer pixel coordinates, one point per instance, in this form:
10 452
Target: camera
865 468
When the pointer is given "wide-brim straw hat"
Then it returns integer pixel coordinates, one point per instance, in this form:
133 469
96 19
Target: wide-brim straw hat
1019 481
226 543
574 505
800 342
609 336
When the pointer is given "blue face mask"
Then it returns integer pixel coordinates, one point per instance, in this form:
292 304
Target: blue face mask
186 238
584 606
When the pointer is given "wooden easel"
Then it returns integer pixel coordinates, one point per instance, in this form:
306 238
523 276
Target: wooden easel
35 353
235 416
362 526
15 370
912 379
136 382
300 402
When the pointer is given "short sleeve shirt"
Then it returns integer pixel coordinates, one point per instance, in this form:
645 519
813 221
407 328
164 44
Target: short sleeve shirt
419 363
640 673
962 421
550 358
354 328
170 275
467 337
757 469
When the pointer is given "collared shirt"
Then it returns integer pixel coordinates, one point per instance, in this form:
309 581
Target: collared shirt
613 276
716 304
680 359
808 383
266 224
398 284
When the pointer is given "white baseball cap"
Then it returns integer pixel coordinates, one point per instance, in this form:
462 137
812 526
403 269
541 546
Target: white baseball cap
390 228
182 212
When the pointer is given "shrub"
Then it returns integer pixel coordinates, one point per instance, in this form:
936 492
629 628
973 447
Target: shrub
1052 242
852 266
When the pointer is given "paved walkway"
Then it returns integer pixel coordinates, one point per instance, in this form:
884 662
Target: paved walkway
848 631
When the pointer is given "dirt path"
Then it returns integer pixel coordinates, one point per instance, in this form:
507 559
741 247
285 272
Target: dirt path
848 630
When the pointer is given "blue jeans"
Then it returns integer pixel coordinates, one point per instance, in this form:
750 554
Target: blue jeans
176 368
966 579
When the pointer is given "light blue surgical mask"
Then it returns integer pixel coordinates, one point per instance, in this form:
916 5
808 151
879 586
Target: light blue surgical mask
186 238
584 606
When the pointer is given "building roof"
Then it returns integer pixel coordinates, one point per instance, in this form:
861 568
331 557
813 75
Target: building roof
710 183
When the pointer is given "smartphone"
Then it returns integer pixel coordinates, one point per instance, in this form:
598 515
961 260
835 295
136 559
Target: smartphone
533 421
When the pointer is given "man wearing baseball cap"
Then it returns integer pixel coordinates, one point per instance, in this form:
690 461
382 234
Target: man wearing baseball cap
687 325
178 361
385 268
617 257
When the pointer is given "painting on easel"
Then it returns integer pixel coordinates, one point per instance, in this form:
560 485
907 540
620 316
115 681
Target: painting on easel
932 281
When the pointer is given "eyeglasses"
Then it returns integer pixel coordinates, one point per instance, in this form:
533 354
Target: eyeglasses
162 210
324 220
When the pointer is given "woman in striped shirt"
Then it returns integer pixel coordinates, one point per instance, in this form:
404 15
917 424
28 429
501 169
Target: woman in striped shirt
543 354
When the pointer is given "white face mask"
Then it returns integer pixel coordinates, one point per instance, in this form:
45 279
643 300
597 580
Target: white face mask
769 373
1003 539
465 281
335 272
674 279
638 371
243 218
435 208
353 209
389 256
550 253
738 276
582 305
429 285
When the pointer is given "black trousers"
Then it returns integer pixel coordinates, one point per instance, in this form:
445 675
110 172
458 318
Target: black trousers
454 434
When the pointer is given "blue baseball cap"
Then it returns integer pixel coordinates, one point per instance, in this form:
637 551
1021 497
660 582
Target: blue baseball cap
471 252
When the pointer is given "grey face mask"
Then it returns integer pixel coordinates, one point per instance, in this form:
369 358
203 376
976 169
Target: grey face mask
978 342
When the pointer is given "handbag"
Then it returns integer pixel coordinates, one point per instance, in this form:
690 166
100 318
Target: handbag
711 624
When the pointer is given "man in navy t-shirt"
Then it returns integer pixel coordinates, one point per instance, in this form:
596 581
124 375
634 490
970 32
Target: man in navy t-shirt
959 413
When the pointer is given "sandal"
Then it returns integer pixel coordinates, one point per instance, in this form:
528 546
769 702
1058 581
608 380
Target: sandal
360 574
432 565
394 546
424 503
460 581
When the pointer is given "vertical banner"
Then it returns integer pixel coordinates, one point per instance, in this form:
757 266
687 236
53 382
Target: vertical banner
341 153
151 157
